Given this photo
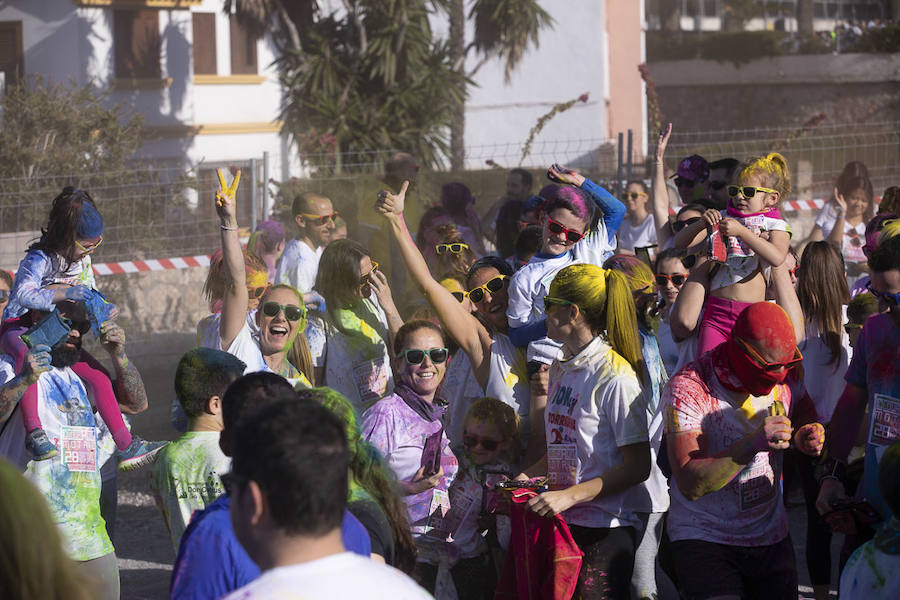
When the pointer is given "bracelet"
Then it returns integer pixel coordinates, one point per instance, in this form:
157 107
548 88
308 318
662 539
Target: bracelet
223 228
830 468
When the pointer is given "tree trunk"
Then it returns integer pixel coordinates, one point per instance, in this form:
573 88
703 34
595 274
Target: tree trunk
670 15
458 56
805 17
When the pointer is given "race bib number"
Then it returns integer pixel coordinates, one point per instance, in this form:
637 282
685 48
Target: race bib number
371 378
438 525
562 465
884 428
756 487
79 448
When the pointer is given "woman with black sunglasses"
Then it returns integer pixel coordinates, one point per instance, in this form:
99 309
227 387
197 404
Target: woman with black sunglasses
499 367
350 341
407 429
670 274
281 316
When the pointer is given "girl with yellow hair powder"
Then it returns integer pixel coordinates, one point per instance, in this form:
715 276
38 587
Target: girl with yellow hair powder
598 445
739 279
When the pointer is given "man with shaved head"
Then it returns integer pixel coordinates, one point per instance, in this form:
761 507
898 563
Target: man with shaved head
728 417
314 215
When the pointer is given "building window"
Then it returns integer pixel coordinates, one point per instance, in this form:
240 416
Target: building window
204 43
12 56
137 44
243 50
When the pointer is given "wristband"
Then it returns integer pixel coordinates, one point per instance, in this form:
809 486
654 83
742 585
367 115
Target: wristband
830 468
223 228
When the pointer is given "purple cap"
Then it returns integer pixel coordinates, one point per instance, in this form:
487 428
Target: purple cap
693 167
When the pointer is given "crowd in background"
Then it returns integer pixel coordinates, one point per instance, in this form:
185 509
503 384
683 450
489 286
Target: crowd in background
577 392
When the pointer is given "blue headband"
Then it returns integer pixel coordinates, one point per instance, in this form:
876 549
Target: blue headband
90 223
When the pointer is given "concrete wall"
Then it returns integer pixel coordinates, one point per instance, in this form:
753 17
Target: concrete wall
706 95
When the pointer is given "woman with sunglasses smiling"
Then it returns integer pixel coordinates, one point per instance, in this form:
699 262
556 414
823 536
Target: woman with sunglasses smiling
406 428
597 449
350 341
568 239
671 274
498 366
281 317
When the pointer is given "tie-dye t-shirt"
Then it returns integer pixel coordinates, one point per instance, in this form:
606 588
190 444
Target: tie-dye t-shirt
38 270
748 510
594 407
875 367
399 434
70 481
187 477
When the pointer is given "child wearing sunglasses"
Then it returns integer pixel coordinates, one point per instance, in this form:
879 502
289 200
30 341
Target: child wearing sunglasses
568 238
490 449
57 268
752 212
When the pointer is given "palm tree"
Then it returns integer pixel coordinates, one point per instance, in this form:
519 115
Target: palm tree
376 77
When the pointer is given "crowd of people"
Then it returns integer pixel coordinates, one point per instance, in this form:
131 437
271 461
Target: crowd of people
577 394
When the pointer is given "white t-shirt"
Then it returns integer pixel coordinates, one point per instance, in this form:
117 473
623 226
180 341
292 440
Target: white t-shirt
871 573
208 329
187 477
334 577
852 250
70 481
668 347
742 260
508 380
748 510
358 369
824 382
636 236
299 265
594 407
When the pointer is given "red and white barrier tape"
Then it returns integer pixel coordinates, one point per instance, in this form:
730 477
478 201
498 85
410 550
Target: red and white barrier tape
157 264
798 205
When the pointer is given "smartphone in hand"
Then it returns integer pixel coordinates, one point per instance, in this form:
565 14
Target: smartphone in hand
431 453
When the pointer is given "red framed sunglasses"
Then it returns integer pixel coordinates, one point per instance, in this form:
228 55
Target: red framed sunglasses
556 228
762 363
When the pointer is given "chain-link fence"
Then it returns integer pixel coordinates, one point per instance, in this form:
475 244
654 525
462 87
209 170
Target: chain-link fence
167 211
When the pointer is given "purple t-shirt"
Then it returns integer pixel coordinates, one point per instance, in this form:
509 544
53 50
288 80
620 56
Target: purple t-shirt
399 433
875 367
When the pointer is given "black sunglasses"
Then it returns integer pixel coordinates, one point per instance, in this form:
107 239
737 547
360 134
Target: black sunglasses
682 182
717 185
472 441
81 327
679 225
415 357
291 311
493 286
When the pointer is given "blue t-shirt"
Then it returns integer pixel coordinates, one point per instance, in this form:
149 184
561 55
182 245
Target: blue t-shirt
875 367
211 562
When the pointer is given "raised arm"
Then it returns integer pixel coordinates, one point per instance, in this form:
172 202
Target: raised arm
786 298
465 329
37 361
659 195
612 209
685 313
235 300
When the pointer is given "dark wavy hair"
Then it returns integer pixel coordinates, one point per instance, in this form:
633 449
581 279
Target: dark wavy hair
822 292
59 236
338 276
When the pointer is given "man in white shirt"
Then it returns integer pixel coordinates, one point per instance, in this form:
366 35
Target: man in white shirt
288 490
314 215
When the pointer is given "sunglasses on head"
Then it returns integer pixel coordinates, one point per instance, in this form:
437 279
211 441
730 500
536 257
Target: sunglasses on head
683 182
256 292
473 441
415 357
765 365
556 228
365 279
891 299
320 219
748 191
679 225
551 301
88 249
455 248
677 279
292 312
493 286
632 195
